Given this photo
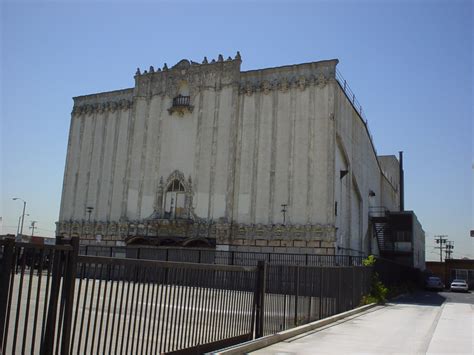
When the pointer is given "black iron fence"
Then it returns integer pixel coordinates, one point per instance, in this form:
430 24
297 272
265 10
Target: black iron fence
213 256
296 295
53 300
139 306
36 290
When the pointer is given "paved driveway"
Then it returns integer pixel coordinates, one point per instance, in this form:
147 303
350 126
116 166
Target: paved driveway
423 323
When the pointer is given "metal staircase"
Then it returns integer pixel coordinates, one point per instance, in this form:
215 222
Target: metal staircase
379 217
383 233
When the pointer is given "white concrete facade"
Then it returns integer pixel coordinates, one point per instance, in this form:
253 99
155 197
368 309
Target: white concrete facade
244 144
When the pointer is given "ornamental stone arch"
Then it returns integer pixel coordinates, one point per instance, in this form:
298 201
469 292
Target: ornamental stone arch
175 197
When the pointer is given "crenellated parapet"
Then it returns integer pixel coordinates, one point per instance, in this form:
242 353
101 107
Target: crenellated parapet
214 74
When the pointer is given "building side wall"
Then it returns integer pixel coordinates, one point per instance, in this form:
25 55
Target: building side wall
355 153
418 244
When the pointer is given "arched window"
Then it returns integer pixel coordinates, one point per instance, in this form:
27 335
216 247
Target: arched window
175 185
175 198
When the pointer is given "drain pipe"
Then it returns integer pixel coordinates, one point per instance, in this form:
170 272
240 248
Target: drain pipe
402 183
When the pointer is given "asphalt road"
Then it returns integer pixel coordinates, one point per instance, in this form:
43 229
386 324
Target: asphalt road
421 323
436 298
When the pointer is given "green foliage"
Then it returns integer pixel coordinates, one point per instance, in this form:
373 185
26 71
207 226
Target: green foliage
378 292
369 261
368 299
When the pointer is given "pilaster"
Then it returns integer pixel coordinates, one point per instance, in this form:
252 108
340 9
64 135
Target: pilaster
126 182
97 203
291 147
232 147
143 159
253 204
212 174
271 202
311 153
114 164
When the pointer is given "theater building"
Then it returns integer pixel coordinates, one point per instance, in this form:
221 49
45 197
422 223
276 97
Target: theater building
204 154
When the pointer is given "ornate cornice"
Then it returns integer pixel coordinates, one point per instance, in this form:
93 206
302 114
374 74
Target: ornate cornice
283 84
109 106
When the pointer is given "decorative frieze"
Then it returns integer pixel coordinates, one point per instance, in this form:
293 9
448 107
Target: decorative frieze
109 106
282 84
224 233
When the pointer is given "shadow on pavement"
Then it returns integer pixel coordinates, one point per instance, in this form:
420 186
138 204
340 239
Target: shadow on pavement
421 298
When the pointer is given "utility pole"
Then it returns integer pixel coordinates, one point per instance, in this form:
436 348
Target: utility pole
441 241
449 249
33 227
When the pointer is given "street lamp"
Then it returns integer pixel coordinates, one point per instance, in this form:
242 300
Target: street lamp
89 211
284 210
23 214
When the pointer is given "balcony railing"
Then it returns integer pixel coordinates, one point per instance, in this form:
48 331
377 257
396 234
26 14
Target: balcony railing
181 105
181 101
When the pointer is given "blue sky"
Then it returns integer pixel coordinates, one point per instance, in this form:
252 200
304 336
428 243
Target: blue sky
408 62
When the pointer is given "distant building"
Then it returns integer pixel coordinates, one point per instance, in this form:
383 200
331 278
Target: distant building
452 269
277 159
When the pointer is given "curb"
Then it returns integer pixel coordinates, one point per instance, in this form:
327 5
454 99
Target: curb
268 340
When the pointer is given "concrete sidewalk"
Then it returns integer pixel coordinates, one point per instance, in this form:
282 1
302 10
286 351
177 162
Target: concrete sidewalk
392 329
454 333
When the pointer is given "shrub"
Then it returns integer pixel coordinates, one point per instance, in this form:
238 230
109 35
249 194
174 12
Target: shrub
378 292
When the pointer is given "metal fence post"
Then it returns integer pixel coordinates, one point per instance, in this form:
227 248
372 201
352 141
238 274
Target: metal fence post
5 275
69 286
354 292
321 292
297 293
259 298
338 301
47 343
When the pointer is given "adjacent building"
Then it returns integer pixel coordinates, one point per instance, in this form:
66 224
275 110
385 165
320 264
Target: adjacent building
276 159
